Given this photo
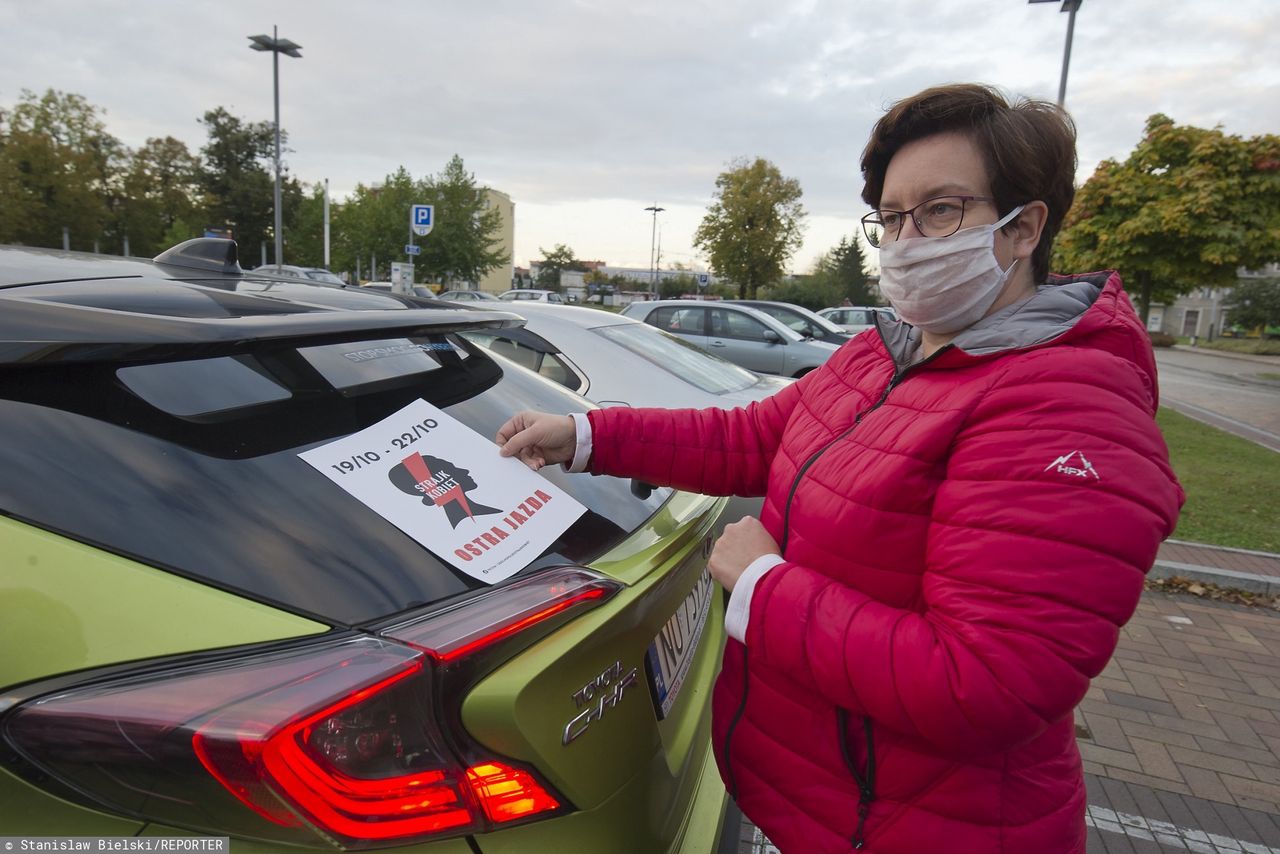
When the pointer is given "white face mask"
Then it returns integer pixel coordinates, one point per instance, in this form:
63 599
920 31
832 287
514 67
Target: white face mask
944 284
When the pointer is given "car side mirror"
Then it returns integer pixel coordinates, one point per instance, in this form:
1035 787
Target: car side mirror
771 337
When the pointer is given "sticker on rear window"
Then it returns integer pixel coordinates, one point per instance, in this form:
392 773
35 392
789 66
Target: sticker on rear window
445 486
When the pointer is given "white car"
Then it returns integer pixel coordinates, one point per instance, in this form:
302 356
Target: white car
416 291
616 361
856 318
531 295
467 296
315 274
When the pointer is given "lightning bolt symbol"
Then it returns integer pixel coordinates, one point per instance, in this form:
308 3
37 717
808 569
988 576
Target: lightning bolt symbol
1060 460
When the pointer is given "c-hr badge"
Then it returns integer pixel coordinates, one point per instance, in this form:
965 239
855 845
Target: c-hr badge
598 696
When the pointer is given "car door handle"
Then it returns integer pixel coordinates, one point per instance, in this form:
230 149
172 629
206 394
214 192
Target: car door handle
717 343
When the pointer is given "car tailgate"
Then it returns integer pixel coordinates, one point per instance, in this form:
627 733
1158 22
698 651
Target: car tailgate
582 705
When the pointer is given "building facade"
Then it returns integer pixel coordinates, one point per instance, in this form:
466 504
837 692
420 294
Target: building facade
500 278
1202 313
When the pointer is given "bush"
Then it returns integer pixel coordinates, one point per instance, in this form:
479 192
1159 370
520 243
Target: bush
1161 339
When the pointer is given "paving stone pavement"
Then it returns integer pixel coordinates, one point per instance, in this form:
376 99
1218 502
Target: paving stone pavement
1183 726
1180 735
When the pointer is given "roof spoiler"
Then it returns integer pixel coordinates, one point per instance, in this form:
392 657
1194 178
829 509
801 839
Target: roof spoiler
211 254
73 334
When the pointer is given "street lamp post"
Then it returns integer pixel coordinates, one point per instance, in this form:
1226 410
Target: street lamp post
1069 6
277 46
653 235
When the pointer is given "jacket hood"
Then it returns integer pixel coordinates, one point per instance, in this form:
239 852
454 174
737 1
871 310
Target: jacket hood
1089 310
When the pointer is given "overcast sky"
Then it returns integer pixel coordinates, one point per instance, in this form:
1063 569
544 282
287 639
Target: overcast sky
587 111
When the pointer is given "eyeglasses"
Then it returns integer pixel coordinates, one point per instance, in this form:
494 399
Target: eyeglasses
937 217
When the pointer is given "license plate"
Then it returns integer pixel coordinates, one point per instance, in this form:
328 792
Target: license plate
667 661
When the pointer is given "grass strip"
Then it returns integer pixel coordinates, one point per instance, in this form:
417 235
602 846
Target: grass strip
1232 485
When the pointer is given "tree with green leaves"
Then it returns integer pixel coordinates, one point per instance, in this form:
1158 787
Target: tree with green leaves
464 243
553 263
237 179
58 167
841 274
812 291
1184 211
306 232
1254 303
375 223
753 226
156 205
674 287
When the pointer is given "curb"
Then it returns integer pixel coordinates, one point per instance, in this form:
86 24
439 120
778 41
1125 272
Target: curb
1273 361
1262 584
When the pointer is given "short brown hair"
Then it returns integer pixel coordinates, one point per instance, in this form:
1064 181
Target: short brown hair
1029 149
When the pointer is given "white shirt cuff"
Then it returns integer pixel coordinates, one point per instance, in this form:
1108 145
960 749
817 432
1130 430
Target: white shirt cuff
581 453
739 611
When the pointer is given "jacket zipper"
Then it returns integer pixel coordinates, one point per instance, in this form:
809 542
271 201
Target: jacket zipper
864 801
866 782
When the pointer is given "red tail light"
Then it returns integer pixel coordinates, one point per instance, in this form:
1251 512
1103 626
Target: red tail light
342 738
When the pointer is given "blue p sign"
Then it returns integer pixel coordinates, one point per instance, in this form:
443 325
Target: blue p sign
422 219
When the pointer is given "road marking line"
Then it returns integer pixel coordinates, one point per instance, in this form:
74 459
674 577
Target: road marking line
1170 835
1134 826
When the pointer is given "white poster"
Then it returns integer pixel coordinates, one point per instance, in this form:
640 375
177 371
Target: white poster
445 485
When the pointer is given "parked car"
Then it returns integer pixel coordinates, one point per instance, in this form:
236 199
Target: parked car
468 296
315 274
421 291
530 295
741 334
615 360
807 323
856 318
217 638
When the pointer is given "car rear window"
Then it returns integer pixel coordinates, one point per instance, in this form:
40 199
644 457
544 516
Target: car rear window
675 356
192 466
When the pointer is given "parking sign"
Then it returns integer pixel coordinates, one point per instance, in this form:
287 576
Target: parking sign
422 219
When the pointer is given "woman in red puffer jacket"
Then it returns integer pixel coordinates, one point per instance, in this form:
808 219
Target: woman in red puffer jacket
959 510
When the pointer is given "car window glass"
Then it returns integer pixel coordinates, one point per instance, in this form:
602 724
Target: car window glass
324 276
555 368
734 324
823 323
676 356
518 352
675 318
241 511
795 322
201 386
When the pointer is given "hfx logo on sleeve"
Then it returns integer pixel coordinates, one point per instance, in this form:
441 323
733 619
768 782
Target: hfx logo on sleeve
1074 464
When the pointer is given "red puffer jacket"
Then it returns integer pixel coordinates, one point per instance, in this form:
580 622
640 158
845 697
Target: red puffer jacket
962 540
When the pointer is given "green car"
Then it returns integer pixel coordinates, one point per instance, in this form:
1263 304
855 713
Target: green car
204 632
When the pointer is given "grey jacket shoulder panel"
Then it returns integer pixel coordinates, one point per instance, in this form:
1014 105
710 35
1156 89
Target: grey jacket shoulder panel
1050 312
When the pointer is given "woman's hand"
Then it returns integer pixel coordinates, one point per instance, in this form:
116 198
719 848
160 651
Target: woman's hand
538 438
741 543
